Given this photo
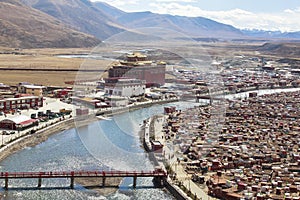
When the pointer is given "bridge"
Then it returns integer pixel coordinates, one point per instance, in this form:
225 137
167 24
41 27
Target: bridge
158 175
199 97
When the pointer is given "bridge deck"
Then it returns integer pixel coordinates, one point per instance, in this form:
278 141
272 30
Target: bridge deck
81 174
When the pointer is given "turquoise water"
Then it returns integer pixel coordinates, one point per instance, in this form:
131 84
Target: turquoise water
111 144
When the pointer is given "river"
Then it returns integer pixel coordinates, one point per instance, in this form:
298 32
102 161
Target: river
244 95
105 144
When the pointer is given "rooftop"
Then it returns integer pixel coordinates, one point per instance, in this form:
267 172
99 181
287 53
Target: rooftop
18 119
136 55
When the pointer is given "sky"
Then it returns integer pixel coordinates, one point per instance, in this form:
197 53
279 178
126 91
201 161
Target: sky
273 15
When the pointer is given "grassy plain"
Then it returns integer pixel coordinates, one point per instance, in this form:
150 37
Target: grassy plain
36 77
46 58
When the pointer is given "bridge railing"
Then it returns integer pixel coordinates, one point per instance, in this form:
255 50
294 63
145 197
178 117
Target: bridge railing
58 174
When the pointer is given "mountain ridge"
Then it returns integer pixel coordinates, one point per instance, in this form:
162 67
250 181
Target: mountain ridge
271 34
108 9
24 27
82 23
81 15
190 26
244 34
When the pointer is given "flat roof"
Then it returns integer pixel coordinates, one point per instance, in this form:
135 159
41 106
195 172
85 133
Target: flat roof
156 142
19 98
34 86
137 54
17 119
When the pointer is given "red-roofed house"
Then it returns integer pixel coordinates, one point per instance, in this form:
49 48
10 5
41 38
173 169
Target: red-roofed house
18 122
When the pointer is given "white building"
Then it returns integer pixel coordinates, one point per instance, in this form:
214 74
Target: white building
27 88
116 101
125 87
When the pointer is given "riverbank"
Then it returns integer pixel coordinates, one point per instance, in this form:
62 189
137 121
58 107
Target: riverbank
27 139
36 138
182 187
23 140
86 123
115 111
145 133
42 135
257 141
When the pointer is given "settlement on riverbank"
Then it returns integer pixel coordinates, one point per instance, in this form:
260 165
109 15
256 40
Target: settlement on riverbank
37 134
19 139
268 124
255 155
26 138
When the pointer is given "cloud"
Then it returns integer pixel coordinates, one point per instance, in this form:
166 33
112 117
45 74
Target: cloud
287 20
288 11
292 11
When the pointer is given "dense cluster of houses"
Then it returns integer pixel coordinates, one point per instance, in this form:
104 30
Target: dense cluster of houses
255 154
17 98
237 75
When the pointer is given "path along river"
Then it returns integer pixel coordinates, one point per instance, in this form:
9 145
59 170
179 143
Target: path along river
100 145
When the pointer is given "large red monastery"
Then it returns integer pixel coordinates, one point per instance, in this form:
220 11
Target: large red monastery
137 66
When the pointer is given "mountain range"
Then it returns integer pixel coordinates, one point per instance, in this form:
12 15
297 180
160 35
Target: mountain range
271 34
81 23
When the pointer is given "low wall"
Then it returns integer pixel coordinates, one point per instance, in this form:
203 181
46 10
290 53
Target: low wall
174 190
35 138
109 112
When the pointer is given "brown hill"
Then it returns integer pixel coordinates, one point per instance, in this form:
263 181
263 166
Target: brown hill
285 49
81 15
25 27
